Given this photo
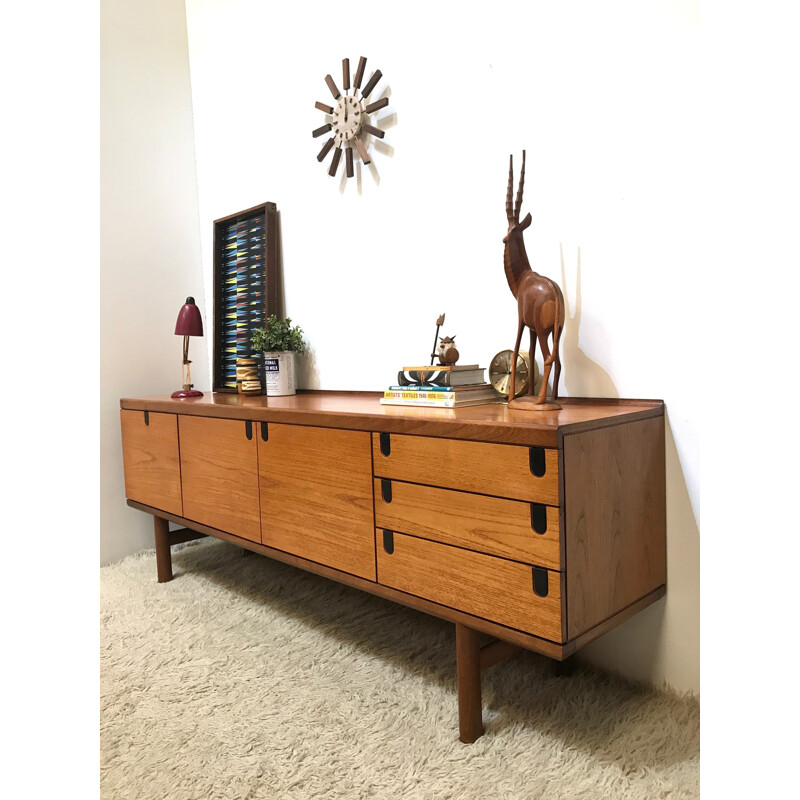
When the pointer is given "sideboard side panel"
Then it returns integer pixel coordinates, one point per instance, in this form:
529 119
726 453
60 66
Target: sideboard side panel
615 519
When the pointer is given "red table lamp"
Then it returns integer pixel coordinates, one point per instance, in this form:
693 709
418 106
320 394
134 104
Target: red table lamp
189 323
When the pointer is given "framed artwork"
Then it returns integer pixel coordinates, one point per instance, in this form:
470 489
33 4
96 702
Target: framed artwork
245 285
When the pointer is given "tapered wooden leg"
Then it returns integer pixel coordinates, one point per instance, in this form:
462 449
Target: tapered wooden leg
468 656
163 554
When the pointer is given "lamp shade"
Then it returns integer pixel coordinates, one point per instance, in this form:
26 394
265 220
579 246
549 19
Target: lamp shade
189 323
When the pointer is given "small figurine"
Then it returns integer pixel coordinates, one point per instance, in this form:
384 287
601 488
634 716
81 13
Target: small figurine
447 352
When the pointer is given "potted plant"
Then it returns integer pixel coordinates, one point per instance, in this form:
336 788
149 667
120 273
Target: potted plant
279 341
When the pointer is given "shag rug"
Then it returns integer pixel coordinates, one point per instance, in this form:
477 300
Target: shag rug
246 678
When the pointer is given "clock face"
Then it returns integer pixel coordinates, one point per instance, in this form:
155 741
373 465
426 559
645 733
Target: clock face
347 119
349 122
500 372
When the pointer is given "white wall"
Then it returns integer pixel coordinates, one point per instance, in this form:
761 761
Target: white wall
150 235
603 98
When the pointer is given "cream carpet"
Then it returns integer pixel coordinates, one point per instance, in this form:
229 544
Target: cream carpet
246 678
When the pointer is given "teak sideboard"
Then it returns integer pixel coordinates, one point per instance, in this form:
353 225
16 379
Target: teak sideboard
542 530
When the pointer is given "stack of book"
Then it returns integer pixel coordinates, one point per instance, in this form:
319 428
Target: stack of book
441 387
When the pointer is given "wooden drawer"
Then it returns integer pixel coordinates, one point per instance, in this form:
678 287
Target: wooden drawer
492 525
493 588
151 459
503 470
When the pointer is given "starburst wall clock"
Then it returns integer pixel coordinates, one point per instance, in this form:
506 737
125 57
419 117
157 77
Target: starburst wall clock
350 118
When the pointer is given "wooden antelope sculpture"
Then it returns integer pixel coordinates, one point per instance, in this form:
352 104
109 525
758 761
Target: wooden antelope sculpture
540 303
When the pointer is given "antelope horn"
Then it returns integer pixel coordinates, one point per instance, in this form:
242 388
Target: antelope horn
509 210
519 192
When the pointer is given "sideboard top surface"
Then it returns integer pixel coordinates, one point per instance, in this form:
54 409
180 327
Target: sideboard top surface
493 422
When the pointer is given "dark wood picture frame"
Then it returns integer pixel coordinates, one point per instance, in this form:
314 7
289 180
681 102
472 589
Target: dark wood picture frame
252 235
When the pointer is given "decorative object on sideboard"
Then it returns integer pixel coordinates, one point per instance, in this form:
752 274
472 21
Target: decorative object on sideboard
245 286
350 118
441 385
447 351
500 372
279 341
434 352
247 376
435 396
189 323
457 375
540 304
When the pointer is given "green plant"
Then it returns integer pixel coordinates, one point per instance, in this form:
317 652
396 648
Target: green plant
279 334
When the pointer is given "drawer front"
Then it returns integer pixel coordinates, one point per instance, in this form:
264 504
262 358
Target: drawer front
151 459
503 470
491 525
492 588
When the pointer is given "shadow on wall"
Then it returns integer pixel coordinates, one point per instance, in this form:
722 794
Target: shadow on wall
582 377
636 648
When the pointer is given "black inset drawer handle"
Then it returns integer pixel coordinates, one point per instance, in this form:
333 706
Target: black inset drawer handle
540 581
386 444
386 490
539 517
248 429
537 462
388 541
264 431
146 417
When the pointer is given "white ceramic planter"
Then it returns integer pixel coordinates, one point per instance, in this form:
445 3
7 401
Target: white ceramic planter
280 372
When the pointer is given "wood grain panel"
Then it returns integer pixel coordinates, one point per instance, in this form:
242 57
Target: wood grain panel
615 519
362 411
219 465
316 496
490 525
488 587
494 469
151 459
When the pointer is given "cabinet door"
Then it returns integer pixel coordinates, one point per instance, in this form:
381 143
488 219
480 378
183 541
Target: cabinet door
219 464
150 458
316 495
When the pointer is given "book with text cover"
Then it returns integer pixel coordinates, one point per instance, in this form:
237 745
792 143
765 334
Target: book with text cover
450 402
432 387
447 397
442 376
